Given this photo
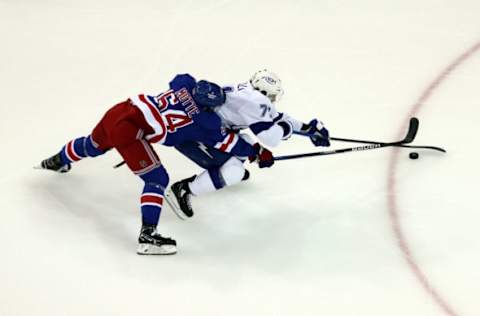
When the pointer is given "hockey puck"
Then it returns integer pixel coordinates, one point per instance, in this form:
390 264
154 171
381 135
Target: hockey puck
413 155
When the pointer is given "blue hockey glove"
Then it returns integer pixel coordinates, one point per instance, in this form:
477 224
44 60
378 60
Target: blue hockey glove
319 137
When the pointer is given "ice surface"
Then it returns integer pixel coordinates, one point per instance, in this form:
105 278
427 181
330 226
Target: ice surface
306 237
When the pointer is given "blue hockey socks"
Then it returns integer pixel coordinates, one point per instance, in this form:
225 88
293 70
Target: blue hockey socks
78 149
151 200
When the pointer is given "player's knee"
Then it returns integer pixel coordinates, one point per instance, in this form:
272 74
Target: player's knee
91 148
232 171
157 177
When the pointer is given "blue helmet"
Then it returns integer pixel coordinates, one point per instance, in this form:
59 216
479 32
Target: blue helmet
208 94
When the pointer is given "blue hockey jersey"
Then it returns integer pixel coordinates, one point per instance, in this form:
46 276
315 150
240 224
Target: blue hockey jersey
175 119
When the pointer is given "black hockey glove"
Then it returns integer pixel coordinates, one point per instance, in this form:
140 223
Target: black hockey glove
263 156
319 137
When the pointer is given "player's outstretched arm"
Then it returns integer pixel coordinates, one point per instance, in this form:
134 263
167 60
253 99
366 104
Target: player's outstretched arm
317 132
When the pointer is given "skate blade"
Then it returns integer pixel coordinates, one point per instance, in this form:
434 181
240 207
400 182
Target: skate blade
63 169
147 249
172 202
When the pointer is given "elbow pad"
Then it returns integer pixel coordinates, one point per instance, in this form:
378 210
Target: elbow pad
272 136
287 129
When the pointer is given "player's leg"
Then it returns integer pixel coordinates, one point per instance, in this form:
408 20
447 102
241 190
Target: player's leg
150 242
144 162
75 150
231 172
93 145
178 195
206 157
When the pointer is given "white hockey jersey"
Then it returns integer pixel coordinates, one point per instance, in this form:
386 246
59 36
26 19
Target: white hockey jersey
246 107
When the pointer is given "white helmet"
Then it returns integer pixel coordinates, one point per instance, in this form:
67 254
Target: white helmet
268 84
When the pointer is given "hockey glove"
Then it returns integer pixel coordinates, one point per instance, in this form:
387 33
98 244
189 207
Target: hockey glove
263 156
319 137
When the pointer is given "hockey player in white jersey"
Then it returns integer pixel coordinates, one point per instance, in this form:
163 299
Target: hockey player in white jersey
248 105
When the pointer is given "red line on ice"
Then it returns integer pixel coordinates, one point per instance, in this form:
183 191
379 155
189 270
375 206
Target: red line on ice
392 198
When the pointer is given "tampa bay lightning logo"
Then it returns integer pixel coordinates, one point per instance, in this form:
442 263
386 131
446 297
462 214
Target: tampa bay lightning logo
270 80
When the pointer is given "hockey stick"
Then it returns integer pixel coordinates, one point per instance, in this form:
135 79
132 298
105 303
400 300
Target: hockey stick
118 165
411 133
374 142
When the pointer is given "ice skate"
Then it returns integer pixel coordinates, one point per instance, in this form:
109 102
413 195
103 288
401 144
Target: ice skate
178 197
54 163
152 243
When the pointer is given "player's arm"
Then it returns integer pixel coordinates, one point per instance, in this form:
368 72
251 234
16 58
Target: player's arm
213 135
270 86
271 133
236 144
267 124
318 133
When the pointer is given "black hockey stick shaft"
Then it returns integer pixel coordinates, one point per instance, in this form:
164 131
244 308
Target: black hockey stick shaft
400 145
411 133
376 142
119 164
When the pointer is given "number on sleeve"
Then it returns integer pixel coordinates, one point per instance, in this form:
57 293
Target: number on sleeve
265 108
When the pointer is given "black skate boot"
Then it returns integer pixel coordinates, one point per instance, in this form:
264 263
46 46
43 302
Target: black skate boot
152 243
54 163
246 175
178 197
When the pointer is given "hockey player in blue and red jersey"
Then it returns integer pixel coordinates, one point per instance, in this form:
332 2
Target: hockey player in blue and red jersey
248 105
181 114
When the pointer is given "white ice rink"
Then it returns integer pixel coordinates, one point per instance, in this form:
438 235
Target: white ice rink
369 233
